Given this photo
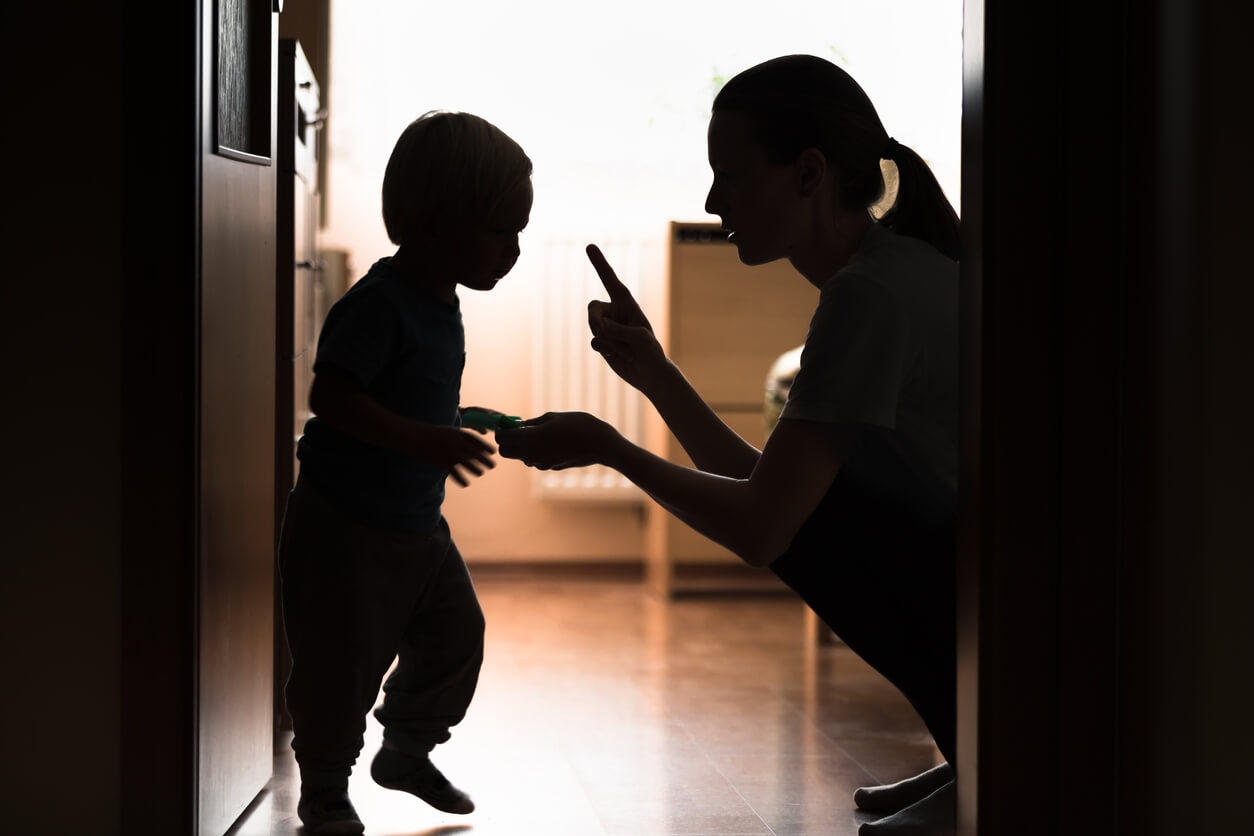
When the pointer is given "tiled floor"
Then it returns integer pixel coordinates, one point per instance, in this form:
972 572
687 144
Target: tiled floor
604 712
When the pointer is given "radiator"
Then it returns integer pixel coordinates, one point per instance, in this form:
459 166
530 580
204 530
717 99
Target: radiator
569 375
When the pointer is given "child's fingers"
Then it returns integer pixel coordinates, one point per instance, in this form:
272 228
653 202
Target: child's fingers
475 445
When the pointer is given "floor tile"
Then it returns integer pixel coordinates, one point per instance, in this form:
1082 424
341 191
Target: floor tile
602 711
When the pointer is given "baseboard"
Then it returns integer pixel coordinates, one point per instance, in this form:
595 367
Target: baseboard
689 578
623 571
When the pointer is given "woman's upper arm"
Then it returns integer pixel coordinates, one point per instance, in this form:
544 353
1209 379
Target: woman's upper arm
796 469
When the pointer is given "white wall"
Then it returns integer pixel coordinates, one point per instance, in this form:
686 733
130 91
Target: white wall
611 103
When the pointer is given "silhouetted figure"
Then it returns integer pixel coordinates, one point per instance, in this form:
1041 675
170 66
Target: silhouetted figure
852 501
370 573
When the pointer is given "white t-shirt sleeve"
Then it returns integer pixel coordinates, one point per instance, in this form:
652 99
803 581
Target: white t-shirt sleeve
853 365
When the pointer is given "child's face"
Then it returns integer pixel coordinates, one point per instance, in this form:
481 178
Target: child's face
490 249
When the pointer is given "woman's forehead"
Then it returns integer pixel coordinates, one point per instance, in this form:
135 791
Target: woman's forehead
732 134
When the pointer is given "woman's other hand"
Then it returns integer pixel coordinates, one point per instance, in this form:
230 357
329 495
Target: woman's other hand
559 440
621 333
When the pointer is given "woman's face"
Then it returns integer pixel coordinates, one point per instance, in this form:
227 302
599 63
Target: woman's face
755 199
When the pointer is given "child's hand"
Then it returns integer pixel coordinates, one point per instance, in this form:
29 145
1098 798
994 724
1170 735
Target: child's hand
558 440
456 451
621 333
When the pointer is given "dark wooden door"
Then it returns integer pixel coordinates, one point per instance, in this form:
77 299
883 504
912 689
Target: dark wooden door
1105 627
237 407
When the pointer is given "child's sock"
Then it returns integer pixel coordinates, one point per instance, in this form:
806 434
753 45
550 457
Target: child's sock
324 807
396 770
931 816
890 798
328 812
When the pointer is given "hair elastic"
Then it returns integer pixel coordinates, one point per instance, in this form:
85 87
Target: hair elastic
890 150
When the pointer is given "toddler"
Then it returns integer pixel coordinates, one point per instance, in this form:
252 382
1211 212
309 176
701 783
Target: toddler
370 573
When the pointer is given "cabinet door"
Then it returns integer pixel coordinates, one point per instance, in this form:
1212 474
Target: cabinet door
684 545
729 322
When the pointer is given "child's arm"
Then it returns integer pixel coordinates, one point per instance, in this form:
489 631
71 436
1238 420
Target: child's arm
339 399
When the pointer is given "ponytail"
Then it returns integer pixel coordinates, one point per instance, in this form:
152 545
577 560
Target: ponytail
921 209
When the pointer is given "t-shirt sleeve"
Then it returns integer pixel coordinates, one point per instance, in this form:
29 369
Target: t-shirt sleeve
358 336
854 360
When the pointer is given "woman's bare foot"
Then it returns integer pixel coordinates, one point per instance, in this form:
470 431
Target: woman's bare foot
890 798
932 816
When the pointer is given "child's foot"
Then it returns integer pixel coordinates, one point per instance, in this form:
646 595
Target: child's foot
328 812
932 816
418 776
890 798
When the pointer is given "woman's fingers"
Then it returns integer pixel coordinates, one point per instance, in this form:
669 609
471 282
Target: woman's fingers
617 290
620 333
537 443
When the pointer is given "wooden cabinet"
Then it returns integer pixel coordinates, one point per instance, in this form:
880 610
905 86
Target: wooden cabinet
724 324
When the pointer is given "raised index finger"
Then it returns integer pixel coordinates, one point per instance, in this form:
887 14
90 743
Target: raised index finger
617 290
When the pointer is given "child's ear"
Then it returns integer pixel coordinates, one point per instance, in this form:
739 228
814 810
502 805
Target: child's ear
811 171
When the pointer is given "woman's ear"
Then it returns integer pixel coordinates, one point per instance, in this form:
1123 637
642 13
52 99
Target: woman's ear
811 169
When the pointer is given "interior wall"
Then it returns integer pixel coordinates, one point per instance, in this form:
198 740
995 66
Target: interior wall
600 172
496 518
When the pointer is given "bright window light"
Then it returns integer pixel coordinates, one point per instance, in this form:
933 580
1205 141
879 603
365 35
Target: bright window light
611 101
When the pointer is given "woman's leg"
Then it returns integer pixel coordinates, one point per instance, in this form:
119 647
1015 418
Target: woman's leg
877 562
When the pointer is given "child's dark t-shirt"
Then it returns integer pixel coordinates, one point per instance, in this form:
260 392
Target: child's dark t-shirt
407 349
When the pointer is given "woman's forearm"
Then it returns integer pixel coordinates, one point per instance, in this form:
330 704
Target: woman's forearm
728 510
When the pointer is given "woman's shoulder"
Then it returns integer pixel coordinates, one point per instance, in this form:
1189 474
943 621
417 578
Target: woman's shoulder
883 245
898 261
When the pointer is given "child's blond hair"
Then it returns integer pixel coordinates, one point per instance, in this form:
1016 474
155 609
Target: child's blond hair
448 168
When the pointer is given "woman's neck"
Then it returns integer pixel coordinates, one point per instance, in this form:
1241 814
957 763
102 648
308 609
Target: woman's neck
832 241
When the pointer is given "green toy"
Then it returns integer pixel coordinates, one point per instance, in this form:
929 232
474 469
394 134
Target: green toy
479 419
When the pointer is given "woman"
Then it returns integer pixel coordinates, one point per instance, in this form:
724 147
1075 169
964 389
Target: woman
852 501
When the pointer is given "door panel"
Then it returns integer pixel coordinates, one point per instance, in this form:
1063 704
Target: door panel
237 403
